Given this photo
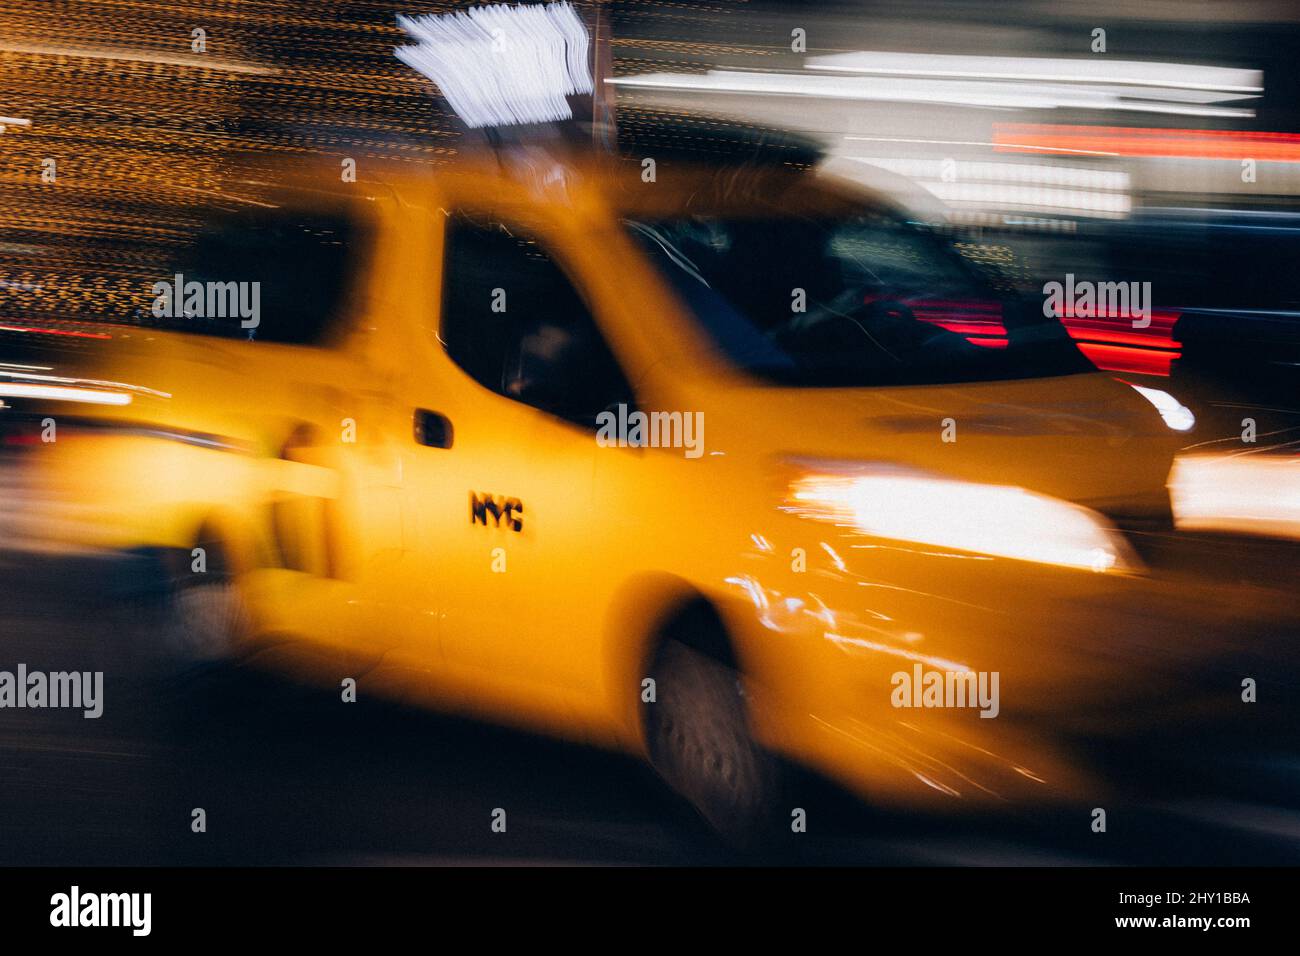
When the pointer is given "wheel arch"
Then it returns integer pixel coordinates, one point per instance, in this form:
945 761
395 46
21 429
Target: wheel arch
646 612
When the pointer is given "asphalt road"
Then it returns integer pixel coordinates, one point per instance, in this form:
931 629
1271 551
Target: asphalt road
291 775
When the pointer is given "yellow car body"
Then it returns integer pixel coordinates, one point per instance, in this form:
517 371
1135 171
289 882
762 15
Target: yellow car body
525 573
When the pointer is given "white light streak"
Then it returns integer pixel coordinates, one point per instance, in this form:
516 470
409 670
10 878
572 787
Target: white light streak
500 65
1095 70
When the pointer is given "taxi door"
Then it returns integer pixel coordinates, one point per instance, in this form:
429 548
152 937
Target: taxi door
501 487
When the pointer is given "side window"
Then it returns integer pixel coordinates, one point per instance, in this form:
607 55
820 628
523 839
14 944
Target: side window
514 322
267 273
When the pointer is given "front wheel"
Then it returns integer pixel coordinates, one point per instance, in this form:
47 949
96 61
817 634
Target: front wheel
698 740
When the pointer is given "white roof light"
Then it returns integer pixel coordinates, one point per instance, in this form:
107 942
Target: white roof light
500 65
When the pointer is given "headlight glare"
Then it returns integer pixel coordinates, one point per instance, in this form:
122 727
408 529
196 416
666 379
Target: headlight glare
997 520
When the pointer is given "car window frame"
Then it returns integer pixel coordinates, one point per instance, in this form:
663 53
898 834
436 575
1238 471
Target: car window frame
548 237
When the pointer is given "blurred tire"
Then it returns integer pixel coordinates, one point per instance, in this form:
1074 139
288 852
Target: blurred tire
204 616
204 623
698 739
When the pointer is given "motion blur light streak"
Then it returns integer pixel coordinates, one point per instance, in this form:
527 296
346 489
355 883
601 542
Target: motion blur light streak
936 662
1069 190
501 65
1039 198
1079 177
60 393
1135 360
979 322
201 62
28 374
967 142
939 92
1176 415
1076 70
1112 343
984 519
1148 142
71 333
1251 493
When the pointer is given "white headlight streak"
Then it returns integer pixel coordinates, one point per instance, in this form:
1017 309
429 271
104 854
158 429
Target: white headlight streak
997 520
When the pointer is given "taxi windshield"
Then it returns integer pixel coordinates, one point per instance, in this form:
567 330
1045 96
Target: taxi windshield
849 298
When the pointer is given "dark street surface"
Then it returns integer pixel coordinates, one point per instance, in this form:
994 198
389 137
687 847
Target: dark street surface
291 775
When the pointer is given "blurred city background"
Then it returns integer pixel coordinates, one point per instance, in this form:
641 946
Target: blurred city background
1158 143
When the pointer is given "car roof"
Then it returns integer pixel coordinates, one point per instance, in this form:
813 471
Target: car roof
523 174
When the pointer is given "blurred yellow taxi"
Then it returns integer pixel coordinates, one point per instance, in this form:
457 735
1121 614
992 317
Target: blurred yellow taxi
730 466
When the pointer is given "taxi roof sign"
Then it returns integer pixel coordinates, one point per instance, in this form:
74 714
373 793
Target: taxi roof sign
502 65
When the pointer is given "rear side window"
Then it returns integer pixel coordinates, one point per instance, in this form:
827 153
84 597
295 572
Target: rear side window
279 274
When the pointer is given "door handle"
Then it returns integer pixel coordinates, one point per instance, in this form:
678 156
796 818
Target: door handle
432 429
